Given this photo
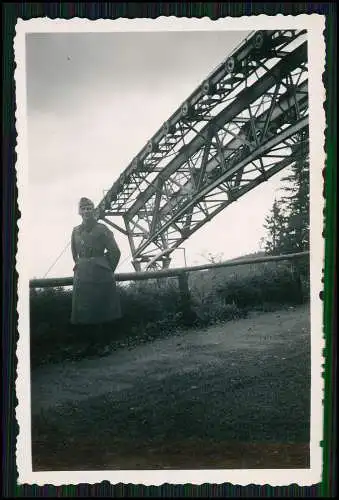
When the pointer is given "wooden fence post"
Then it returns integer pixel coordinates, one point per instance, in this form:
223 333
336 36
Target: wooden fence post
298 282
185 297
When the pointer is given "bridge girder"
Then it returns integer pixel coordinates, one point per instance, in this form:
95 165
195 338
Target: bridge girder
245 123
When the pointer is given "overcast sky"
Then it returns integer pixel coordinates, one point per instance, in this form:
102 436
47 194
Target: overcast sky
93 101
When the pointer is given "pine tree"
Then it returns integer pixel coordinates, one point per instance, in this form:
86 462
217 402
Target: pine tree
296 207
275 224
288 222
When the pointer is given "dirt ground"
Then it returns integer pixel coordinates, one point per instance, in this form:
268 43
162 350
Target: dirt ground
236 395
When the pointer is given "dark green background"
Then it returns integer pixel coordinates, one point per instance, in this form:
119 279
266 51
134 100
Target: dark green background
10 13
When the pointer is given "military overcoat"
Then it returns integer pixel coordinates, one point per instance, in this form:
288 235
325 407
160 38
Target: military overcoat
95 298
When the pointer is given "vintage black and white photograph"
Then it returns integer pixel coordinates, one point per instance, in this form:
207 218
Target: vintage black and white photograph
170 250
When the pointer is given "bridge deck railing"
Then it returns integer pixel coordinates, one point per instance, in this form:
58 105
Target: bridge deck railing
181 274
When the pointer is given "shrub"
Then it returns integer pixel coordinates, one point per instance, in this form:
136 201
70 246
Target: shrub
269 286
144 302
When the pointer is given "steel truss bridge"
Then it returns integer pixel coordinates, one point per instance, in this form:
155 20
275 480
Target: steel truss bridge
246 122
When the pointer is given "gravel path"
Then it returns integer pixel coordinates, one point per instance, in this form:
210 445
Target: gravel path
241 386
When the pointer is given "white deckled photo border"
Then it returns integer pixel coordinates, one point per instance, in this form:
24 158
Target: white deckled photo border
315 25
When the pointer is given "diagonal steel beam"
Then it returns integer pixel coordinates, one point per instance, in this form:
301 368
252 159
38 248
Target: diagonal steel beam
277 117
269 114
219 81
251 185
118 228
261 150
204 159
244 98
158 196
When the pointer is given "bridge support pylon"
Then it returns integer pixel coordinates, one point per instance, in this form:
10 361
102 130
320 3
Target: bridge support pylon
166 262
137 265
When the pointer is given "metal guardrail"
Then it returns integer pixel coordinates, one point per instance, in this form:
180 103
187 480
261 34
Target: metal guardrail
178 272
